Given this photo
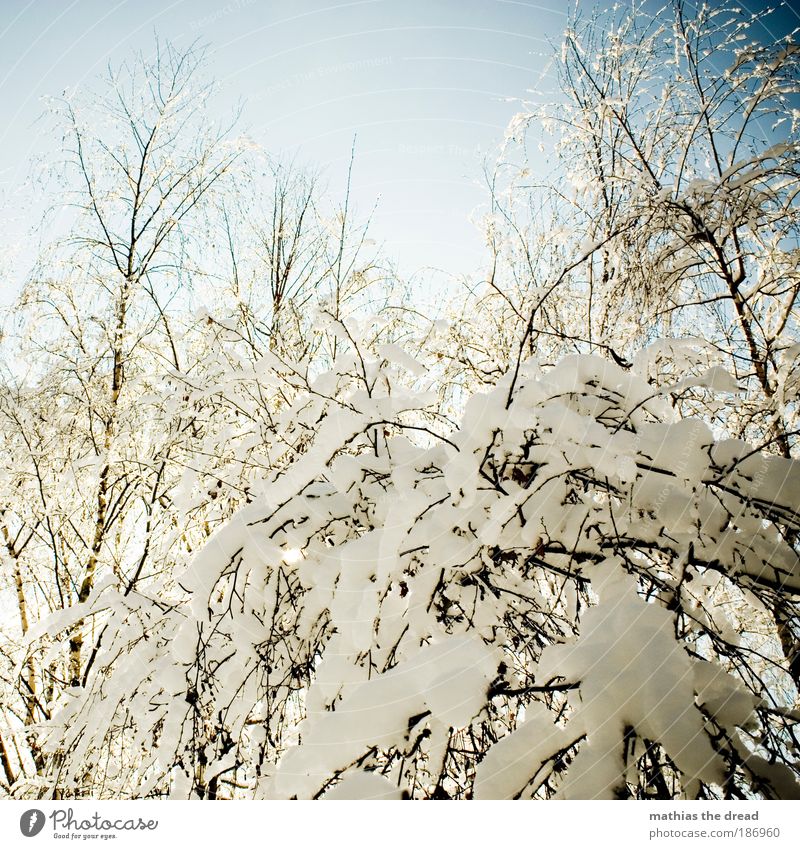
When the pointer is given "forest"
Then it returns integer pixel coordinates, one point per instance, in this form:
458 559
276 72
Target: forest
277 523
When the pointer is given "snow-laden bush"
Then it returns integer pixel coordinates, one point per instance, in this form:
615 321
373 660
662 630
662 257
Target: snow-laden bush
570 594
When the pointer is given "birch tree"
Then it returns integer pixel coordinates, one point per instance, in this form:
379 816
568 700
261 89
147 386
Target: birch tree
86 467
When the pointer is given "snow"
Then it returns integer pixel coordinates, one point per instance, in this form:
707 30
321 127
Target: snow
521 761
380 595
632 674
363 785
449 678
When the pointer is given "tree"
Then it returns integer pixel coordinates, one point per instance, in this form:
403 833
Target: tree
137 422
85 468
676 138
672 215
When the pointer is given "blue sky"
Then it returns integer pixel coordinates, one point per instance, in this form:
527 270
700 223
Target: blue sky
428 87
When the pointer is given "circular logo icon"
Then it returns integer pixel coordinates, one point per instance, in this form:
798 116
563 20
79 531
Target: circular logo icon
32 822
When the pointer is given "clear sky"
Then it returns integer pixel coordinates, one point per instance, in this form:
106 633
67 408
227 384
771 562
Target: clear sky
428 87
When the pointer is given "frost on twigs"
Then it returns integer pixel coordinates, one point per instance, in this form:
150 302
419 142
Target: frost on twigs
546 600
